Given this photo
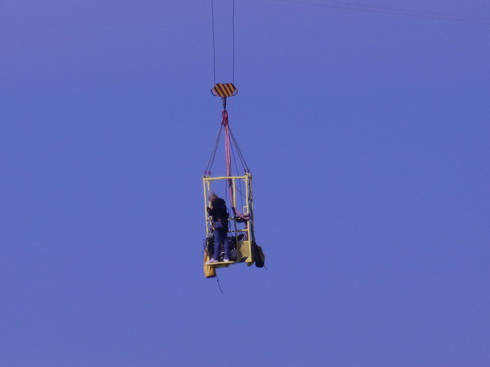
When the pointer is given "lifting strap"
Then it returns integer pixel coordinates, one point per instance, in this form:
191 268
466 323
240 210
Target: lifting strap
228 139
226 127
231 147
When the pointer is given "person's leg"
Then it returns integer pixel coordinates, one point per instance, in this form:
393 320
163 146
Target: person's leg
217 242
225 241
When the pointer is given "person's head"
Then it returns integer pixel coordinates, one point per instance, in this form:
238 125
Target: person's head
212 196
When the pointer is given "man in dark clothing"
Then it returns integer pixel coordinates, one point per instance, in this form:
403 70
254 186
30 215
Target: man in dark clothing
219 214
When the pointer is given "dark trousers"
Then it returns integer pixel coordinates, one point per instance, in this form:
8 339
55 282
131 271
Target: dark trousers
219 238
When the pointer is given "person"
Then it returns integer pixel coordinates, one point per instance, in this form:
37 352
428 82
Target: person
219 214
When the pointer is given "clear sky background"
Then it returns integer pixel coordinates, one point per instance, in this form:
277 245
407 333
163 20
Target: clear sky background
368 136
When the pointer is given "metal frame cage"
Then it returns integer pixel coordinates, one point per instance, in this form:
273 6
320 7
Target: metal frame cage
241 221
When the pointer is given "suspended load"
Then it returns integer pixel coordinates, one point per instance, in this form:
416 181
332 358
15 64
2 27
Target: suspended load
232 227
228 198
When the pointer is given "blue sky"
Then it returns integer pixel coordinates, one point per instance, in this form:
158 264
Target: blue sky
367 134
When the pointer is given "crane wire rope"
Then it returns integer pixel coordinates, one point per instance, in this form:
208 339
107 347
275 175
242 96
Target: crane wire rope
232 42
214 41
364 8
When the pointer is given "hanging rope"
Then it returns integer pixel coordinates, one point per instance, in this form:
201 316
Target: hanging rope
219 285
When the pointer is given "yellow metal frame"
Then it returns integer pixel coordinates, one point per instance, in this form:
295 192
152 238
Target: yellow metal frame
244 246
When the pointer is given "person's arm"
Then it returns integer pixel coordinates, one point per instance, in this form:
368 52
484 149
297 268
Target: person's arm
211 210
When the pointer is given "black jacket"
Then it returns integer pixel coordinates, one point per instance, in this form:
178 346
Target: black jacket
218 210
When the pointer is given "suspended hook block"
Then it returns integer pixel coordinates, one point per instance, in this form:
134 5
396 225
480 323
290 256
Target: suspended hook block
224 90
